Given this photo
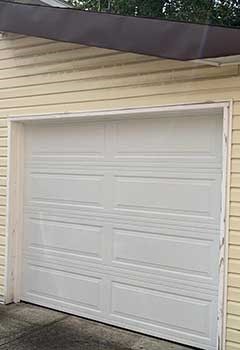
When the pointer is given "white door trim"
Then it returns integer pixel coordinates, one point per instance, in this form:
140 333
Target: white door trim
16 179
224 249
120 112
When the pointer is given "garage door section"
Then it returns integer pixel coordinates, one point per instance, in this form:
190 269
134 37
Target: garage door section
122 222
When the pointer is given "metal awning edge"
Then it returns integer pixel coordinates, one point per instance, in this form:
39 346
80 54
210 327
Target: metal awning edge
154 37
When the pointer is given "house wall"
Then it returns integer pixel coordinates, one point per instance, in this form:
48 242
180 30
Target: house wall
40 76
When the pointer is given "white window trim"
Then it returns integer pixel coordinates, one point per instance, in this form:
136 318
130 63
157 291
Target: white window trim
15 192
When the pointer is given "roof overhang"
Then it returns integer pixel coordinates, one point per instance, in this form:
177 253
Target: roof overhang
166 39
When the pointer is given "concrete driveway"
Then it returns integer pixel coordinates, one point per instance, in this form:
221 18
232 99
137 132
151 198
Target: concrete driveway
27 327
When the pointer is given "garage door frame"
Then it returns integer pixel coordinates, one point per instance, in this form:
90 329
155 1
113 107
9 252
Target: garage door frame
15 189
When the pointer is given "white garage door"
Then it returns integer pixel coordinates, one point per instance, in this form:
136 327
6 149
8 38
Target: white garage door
122 222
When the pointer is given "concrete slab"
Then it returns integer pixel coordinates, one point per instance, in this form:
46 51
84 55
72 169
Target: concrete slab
11 329
60 336
32 314
149 343
101 333
28 327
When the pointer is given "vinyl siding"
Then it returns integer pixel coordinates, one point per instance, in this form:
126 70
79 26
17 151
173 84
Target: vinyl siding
39 76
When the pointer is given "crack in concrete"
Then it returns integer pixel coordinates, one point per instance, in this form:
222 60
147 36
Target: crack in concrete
35 330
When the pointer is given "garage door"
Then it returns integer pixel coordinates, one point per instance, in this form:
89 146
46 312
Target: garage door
122 222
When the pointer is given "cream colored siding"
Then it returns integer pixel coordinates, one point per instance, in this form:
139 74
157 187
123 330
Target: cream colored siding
39 76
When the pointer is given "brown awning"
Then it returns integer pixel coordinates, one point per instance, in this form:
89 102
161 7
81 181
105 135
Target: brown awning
149 36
